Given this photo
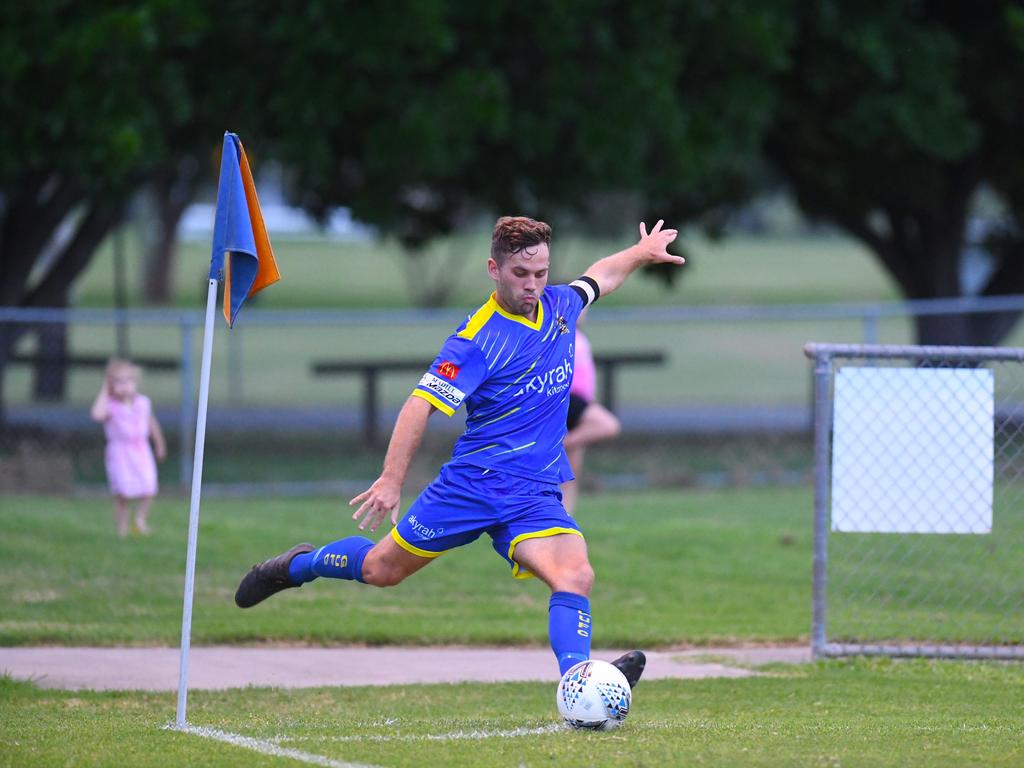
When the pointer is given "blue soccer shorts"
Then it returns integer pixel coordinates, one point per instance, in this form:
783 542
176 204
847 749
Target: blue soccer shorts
465 501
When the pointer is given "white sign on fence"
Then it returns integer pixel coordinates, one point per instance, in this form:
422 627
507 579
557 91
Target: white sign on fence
912 450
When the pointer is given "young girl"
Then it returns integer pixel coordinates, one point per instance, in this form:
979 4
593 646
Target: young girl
128 421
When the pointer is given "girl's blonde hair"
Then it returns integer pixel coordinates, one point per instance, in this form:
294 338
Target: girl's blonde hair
116 365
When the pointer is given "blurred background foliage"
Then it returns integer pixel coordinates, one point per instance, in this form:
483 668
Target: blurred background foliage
424 117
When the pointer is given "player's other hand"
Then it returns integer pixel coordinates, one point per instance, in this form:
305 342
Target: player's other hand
376 502
656 243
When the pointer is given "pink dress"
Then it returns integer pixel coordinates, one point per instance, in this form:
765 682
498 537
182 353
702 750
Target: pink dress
584 373
131 468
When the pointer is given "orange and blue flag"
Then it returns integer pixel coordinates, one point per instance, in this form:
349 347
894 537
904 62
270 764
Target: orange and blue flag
242 256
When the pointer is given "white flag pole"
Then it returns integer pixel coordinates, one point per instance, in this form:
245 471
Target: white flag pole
193 516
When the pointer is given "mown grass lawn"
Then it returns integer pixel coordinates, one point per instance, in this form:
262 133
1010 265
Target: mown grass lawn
672 567
850 714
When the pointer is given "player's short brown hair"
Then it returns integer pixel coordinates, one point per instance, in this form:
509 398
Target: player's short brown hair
513 233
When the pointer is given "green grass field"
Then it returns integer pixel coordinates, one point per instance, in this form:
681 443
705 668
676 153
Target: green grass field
854 713
674 567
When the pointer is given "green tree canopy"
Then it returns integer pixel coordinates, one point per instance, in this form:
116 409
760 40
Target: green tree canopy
523 106
890 118
883 117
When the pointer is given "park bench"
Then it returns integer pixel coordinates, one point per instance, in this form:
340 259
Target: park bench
607 364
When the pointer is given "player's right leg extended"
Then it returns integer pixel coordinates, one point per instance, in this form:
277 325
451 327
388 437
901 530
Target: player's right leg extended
355 558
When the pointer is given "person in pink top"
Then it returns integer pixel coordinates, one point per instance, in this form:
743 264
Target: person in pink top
129 425
588 421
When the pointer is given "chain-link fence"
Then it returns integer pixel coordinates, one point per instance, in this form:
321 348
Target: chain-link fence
919 501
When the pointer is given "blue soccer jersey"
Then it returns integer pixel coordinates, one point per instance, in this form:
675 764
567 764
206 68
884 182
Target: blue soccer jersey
514 376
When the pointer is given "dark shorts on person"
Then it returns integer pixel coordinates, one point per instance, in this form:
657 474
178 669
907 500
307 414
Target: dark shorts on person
577 405
465 501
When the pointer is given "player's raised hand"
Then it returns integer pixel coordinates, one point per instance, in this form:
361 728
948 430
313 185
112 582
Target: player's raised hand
376 502
656 243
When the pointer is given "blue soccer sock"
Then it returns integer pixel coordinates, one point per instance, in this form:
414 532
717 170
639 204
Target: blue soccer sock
338 560
569 628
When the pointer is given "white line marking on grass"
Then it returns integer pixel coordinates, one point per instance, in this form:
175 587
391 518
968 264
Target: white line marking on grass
455 736
263 746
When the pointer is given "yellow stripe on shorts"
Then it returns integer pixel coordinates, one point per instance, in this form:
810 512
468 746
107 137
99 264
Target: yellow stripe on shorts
411 548
520 574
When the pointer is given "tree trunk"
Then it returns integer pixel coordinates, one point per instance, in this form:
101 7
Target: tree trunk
31 215
945 330
171 194
51 369
54 288
157 282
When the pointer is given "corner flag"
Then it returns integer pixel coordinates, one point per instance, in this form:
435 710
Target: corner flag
243 259
242 256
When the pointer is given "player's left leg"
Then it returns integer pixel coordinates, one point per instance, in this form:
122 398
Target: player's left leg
434 523
356 558
561 562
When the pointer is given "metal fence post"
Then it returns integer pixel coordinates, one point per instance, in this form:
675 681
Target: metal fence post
871 326
822 431
186 411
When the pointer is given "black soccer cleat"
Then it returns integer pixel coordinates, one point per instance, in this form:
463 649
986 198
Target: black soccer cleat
632 666
268 578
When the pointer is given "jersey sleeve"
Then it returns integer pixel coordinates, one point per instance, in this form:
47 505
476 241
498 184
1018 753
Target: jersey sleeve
455 374
587 289
570 300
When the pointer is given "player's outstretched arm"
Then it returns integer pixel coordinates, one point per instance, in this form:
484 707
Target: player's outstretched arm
383 496
652 248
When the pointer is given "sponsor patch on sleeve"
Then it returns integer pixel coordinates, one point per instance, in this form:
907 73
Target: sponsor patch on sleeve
448 369
444 390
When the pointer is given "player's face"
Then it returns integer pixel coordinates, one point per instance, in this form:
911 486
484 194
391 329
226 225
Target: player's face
520 281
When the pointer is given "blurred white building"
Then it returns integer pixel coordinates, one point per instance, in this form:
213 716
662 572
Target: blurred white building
281 219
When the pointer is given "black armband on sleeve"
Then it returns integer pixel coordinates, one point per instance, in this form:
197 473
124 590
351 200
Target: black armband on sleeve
587 289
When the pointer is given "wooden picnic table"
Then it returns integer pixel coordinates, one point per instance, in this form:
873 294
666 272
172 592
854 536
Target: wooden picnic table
607 364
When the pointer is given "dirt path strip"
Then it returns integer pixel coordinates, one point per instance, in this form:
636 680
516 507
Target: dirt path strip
218 667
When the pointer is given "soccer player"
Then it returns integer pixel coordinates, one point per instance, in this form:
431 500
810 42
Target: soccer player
511 363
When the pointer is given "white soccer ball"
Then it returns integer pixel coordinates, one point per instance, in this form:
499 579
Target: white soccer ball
593 694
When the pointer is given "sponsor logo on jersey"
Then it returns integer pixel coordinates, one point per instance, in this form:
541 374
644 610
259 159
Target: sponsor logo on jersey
554 382
444 390
448 369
